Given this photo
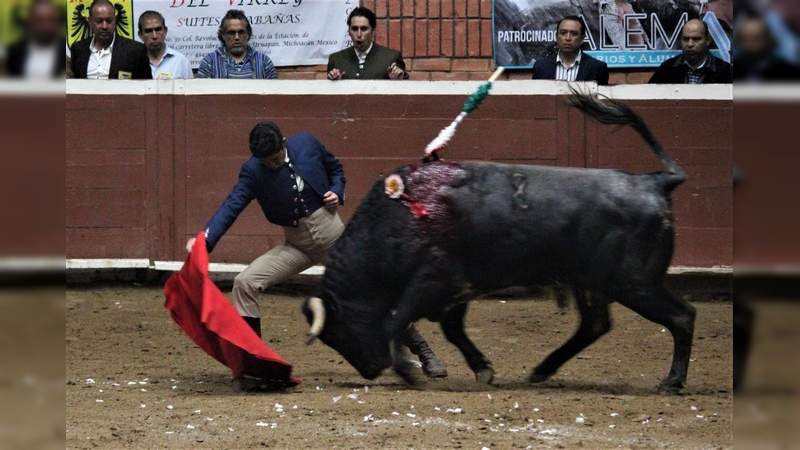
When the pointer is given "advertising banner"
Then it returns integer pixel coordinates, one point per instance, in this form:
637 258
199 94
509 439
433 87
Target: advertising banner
623 33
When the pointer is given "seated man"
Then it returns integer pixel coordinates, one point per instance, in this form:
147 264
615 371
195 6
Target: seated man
166 63
236 59
107 55
755 58
695 65
365 60
570 63
40 54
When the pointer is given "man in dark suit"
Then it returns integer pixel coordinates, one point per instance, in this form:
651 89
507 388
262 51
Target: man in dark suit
106 55
41 53
365 60
695 65
570 63
755 58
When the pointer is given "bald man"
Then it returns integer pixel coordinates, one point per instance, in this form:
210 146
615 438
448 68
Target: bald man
106 55
695 65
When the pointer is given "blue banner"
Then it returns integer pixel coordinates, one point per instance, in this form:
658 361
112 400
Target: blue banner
623 33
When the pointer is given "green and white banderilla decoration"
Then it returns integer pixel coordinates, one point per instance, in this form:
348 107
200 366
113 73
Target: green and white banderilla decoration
470 105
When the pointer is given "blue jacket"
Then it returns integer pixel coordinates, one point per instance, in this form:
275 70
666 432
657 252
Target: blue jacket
320 170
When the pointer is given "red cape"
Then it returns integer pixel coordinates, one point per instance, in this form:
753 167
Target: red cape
211 321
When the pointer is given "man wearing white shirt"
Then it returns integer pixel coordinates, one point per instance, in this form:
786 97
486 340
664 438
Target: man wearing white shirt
106 55
40 55
570 63
165 63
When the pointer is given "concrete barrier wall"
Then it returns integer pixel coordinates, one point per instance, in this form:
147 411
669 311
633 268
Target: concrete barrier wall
147 163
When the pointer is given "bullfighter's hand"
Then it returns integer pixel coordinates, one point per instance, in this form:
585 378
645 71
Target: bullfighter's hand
331 200
190 244
395 72
335 74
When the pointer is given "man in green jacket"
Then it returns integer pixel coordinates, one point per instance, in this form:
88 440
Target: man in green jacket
365 60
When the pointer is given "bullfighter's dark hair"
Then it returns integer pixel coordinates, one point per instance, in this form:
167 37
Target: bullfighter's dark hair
576 19
265 139
150 14
363 12
97 3
233 14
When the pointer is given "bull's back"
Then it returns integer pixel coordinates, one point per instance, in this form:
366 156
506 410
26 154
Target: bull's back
521 225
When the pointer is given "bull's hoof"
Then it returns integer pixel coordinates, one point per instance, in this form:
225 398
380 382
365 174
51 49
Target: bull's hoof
408 372
537 377
485 376
671 386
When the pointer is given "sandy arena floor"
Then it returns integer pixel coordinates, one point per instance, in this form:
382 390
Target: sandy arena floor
135 380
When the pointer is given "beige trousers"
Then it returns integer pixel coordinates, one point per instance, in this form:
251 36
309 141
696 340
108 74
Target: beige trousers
305 245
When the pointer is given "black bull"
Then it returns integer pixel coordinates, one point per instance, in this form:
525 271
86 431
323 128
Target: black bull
463 230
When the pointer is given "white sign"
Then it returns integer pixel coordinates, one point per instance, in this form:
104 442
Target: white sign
290 32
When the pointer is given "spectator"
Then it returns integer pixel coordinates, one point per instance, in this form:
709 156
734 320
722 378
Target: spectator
695 64
106 55
570 63
236 59
40 54
365 60
755 58
165 63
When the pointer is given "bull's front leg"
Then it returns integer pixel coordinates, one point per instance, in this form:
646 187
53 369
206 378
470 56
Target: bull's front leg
401 362
452 324
430 287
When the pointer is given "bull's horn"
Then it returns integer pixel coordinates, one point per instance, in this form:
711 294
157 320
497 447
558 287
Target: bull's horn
318 314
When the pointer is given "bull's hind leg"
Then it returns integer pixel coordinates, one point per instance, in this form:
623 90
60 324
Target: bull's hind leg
452 324
677 315
595 322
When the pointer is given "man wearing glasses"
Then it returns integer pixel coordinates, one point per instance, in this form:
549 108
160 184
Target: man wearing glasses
165 63
236 59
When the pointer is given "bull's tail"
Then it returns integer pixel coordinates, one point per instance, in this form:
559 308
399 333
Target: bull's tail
615 112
